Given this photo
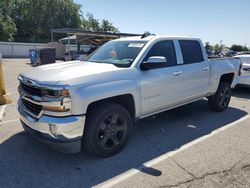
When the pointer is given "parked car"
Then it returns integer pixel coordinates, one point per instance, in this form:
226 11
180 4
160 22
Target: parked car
244 78
95 103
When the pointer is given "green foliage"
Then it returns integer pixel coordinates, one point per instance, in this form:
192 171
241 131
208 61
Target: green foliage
209 48
7 25
93 24
90 23
107 26
218 48
31 20
237 48
245 48
35 18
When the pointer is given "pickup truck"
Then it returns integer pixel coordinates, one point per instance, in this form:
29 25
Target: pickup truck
244 78
94 103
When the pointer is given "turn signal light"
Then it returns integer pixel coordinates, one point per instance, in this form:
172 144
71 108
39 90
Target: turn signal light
64 92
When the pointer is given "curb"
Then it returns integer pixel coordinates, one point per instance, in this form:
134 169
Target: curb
2 110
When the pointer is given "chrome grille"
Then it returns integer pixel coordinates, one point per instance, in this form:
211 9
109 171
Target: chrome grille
31 107
31 89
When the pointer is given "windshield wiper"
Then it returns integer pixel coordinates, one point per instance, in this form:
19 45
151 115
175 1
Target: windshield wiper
96 61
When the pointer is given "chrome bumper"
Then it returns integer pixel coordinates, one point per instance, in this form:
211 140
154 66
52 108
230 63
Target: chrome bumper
55 131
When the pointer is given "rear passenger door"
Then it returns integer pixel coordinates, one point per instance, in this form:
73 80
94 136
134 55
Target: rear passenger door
195 70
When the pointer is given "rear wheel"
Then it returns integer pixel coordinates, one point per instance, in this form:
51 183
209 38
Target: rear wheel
108 127
220 100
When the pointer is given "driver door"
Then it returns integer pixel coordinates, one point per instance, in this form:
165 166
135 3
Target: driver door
160 87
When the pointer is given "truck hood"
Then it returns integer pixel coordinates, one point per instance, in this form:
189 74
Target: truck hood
68 72
76 72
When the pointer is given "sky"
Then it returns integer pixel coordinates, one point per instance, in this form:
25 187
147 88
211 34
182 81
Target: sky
213 21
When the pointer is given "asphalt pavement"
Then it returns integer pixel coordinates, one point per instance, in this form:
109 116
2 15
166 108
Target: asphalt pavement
190 146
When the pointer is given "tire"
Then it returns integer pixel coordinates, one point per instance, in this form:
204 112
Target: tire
107 130
220 100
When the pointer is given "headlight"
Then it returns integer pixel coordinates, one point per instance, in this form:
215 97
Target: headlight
56 93
56 99
64 92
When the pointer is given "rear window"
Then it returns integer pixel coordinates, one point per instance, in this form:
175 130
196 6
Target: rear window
191 51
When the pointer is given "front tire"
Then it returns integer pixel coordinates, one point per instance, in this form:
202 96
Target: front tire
107 130
220 100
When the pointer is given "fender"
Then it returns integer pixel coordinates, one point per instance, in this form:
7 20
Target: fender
84 96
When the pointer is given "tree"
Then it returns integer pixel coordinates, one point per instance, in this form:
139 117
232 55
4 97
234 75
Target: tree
93 24
245 48
31 20
237 48
90 23
218 48
209 48
107 26
7 25
35 18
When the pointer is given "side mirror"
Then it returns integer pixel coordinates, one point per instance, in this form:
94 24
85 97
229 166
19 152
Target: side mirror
154 62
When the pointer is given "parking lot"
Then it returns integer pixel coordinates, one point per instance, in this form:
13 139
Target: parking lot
187 146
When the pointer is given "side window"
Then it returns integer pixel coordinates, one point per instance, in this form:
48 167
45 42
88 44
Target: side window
191 51
165 49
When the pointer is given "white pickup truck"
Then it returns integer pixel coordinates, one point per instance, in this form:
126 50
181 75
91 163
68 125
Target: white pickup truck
244 78
95 103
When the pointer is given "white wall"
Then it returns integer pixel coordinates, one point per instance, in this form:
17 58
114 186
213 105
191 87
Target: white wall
16 49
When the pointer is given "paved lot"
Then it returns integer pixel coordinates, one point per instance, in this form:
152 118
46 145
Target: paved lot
186 147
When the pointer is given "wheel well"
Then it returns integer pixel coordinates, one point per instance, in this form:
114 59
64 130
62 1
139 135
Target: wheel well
126 101
227 78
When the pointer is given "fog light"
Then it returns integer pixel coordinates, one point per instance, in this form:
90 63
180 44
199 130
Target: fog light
55 109
53 129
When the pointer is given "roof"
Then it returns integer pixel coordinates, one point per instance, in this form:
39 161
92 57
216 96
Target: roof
94 37
100 37
158 37
76 31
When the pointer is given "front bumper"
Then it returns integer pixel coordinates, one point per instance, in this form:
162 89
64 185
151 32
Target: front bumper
61 133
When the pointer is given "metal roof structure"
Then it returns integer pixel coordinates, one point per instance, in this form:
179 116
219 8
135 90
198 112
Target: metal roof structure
91 37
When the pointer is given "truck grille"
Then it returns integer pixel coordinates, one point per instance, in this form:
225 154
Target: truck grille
31 90
33 108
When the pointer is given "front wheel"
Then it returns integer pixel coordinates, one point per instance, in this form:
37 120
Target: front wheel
107 130
220 100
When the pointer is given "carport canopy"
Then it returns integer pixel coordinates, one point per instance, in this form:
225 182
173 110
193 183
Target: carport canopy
89 37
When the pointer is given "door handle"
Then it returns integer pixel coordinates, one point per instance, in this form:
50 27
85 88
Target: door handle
177 73
205 68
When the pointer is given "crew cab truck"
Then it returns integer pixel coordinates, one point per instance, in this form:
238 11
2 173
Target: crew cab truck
95 103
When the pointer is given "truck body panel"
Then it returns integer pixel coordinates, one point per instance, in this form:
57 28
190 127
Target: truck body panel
81 84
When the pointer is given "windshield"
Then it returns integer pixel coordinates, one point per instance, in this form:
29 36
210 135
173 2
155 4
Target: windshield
119 53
